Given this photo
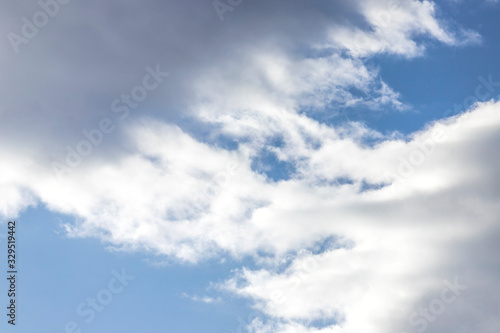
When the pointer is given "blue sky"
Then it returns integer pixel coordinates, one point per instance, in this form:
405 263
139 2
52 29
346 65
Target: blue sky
57 274
297 170
445 76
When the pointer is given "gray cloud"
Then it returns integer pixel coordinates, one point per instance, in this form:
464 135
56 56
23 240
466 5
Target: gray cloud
66 77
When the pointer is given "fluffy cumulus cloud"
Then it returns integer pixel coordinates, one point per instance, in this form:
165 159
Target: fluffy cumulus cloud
398 245
364 232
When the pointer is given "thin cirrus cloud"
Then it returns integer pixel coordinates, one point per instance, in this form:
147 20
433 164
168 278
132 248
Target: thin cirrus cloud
402 212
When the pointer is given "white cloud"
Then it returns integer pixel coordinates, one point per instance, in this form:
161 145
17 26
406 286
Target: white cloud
202 299
404 237
391 27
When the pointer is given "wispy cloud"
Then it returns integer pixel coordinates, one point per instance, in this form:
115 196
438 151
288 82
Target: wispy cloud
202 299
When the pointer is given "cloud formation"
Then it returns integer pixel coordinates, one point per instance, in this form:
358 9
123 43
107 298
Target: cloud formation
385 221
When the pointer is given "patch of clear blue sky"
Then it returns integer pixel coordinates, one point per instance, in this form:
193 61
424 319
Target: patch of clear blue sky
56 274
